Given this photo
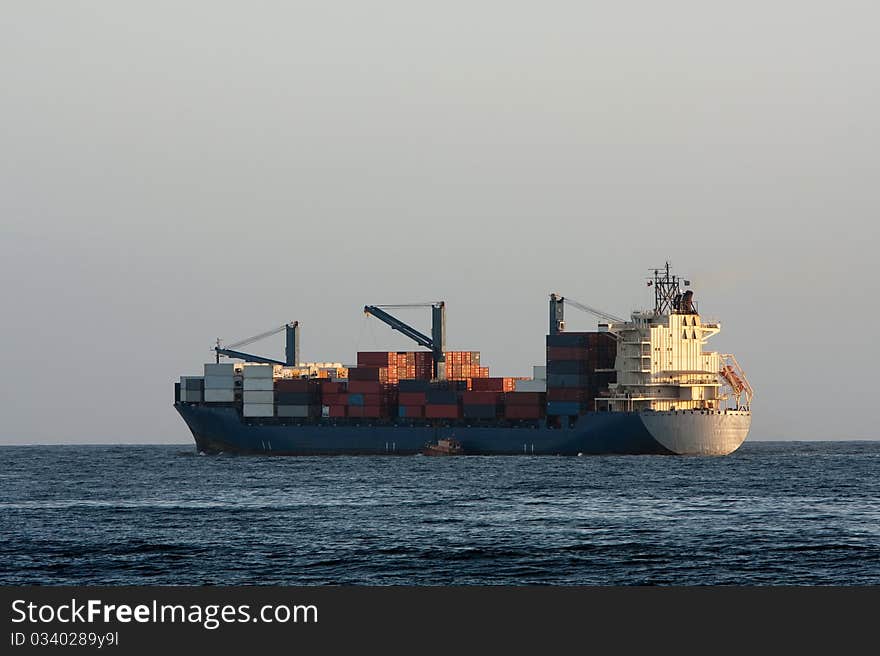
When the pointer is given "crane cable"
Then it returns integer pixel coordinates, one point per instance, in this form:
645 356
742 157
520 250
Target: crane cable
256 338
593 311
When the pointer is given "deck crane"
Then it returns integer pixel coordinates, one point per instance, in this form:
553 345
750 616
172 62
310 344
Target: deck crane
291 350
436 342
557 313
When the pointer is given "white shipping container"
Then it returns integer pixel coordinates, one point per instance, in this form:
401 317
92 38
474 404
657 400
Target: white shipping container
219 369
539 373
531 386
219 382
259 397
219 396
258 384
254 370
258 410
293 411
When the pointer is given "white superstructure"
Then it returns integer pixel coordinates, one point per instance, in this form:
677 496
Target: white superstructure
662 364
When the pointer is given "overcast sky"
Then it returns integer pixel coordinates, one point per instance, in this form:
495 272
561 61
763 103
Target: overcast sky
177 171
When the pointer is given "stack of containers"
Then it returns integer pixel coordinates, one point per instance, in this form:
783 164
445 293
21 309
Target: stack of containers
400 365
443 403
572 378
482 404
413 396
259 392
461 365
334 398
369 393
191 389
297 398
524 405
220 382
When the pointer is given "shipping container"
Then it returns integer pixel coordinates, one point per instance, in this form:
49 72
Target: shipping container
253 370
482 398
487 384
523 411
223 369
566 394
442 411
442 397
355 400
220 383
298 410
293 398
295 385
338 411
539 372
531 386
569 367
564 408
411 411
568 339
258 410
219 396
567 380
258 385
331 388
525 398
365 387
189 396
335 399
567 353
412 398
192 383
258 397
472 411
367 373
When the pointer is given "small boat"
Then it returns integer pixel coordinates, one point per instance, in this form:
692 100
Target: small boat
445 446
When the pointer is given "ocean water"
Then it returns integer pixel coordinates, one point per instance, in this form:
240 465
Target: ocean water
773 513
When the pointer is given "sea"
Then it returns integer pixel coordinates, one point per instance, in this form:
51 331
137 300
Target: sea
772 513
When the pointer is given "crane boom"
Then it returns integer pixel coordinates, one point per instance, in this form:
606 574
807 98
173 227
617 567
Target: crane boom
595 312
291 349
436 342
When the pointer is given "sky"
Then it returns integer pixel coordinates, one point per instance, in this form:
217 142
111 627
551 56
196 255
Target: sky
174 172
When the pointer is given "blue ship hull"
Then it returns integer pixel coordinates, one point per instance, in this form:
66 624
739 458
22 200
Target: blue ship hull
219 429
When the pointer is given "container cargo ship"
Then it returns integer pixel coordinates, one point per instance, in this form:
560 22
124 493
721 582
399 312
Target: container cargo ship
639 386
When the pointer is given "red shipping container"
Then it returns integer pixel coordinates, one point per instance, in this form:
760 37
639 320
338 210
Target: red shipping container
332 388
442 411
355 411
372 411
365 387
412 398
567 353
488 384
372 399
413 411
525 398
363 373
335 399
338 411
375 358
482 398
294 385
524 411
